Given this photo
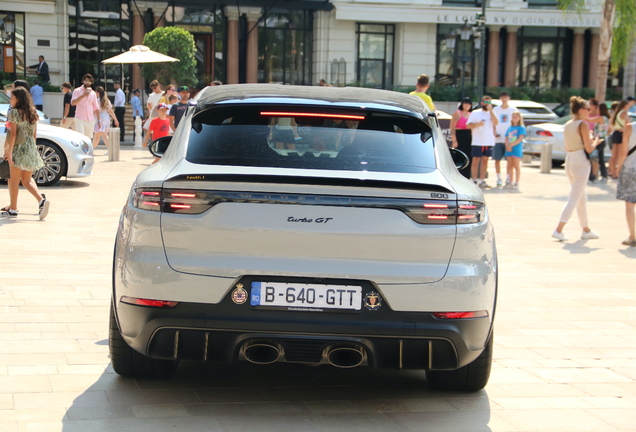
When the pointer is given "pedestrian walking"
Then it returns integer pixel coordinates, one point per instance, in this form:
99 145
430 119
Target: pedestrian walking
514 137
119 104
598 120
84 100
577 139
68 118
482 123
102 127
21 152
460 134
137 110
504 115
617 122
36 94
179 109
626 189
421 87
16 84
42 69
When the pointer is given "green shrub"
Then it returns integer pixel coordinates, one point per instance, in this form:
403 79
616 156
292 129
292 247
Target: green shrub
174 42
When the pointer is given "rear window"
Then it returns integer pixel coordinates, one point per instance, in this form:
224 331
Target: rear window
306 138
533 110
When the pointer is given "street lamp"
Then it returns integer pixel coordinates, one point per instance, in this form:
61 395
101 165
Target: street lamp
9 24
465 32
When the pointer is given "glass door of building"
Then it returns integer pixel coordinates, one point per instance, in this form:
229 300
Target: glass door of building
205 56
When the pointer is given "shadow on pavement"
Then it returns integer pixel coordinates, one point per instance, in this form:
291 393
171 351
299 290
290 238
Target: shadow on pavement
579 247
280 397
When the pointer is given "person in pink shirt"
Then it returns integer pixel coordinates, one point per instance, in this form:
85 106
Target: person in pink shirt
87 108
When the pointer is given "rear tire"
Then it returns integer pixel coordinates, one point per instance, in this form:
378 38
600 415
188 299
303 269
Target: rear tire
129 363
557 163
472 377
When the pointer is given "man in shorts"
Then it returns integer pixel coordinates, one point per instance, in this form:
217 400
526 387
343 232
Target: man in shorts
504 116
481 123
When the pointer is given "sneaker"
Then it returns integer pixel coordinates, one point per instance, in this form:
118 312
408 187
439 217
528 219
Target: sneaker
508 185
590 235
515 186
9 214
499 183
629 242
106 153
603 180
484 185
559 236
44 207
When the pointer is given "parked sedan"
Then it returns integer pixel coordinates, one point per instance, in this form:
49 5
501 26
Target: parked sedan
532 112
540 134
310 225
65 153
4 107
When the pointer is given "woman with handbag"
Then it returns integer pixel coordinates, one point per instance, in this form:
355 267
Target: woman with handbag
21 152
626 189
577 167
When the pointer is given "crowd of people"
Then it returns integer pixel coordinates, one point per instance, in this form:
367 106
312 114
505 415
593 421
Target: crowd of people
89 111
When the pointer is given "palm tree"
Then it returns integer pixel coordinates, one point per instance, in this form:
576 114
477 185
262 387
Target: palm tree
618 26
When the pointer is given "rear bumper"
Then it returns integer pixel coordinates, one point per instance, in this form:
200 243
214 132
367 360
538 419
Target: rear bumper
218 332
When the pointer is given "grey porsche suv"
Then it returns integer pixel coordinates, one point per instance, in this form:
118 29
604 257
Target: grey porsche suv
323 226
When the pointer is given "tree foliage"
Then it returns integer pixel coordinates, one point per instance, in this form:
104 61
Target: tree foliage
175 42
622 32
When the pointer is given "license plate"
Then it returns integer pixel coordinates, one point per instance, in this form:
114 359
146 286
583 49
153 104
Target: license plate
309 297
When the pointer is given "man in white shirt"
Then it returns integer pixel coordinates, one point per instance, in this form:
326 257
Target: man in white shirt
504 116
481 123
120 109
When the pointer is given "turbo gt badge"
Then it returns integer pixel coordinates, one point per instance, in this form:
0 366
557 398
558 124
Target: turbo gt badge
239 295
372 300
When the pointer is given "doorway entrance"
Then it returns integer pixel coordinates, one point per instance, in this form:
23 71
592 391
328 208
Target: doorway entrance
205 56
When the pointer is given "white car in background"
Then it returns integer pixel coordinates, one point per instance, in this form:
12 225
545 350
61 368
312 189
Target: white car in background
540 134
65 153
532 112
4 108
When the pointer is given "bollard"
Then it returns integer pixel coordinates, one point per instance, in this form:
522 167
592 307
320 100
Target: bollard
546 158
113 151
138 137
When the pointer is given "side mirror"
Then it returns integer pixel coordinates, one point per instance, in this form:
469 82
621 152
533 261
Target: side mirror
159 146
459 158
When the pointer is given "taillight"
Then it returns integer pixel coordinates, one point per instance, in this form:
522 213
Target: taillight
147 199
460 315
171 200
148 302
542 132
446 213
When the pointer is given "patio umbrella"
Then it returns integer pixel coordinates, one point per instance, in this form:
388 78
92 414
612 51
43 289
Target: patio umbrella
139 54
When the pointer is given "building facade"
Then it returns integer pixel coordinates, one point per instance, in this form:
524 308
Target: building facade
373 43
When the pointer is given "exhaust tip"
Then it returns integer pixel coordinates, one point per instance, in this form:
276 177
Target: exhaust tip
346 356
262 352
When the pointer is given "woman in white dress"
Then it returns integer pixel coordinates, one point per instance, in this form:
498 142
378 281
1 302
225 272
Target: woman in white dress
626 189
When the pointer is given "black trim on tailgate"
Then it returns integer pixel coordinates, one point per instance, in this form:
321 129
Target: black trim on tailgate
321 181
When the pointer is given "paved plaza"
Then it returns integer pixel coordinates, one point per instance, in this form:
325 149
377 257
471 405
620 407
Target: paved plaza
565 333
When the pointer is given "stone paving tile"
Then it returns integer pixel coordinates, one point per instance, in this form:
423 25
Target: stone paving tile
554 420
565 344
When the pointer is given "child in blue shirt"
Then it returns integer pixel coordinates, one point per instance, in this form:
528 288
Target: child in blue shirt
514 149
